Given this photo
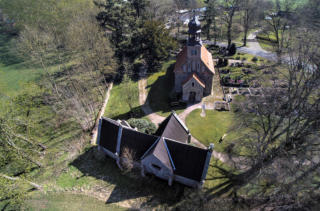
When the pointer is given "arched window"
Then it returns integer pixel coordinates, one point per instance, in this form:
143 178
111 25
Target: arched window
192 84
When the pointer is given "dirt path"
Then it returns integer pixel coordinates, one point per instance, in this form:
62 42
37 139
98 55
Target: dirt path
101 112
155 118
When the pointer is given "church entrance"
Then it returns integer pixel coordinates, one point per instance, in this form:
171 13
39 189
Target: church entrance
192 97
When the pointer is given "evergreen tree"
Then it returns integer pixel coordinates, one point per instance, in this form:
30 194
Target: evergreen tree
139 6
210 18
157 43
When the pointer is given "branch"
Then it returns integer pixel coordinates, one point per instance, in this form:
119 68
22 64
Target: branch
38 187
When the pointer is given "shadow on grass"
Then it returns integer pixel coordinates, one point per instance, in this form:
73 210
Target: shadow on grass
8 56
160 91
128 185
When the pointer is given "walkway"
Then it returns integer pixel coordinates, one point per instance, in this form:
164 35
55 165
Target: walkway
101 112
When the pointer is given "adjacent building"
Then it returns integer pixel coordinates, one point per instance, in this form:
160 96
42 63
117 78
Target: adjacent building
167 154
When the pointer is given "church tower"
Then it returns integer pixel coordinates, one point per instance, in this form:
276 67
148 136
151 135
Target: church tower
194 32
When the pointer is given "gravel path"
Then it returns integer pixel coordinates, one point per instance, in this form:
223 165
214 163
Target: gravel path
101 112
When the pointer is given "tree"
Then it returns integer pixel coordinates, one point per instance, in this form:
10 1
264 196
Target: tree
230 8
210 17
157 43
139 6
119 18
249 8
279 22
276 155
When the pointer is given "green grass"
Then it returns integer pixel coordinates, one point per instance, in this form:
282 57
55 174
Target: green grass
65 201
211 128
160 85
117 108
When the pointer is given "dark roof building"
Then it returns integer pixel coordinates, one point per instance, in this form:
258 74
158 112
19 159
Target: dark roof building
166 155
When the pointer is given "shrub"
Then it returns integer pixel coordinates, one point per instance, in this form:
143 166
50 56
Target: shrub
254 59
143 125
220 62
225 62
238 58
244 59
232 49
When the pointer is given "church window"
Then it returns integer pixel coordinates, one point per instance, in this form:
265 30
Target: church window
198 69
193 66
192 84
189 67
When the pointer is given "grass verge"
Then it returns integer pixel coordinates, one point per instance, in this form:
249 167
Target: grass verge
211 128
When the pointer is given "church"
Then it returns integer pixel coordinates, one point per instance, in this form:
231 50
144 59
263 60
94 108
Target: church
194 69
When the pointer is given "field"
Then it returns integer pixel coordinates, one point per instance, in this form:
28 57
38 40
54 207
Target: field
65 201
117 108
211 128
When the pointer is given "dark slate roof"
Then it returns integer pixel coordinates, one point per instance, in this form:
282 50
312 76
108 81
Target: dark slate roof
109 134
138 142
160 151
188 160
173 128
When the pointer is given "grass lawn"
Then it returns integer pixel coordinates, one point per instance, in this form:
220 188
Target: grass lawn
211 128
159 87
65 201
117 108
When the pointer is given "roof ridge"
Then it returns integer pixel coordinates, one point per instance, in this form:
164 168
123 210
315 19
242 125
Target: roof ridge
169 139
169 154
180 122
150 148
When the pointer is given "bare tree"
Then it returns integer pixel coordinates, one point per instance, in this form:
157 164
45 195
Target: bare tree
281 145
230 9
249 8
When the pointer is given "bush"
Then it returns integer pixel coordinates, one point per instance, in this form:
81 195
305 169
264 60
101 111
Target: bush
143 125
220 62
225 62
238 58
232 49
254 59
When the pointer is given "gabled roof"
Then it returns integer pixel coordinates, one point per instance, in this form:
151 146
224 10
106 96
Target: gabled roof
161 151
205 56
188 160
195 77
136 141
173 128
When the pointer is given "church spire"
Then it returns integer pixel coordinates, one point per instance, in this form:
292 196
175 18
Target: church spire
194 31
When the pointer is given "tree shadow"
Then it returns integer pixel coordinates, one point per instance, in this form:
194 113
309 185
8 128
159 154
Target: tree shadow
127 185
161 92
